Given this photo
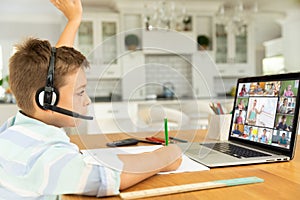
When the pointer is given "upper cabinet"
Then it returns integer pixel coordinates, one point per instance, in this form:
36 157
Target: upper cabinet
234 50
85 41
231 47
97 40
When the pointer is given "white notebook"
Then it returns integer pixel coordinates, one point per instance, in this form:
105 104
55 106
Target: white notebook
105 156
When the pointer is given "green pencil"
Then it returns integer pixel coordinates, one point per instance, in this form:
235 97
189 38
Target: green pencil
166 132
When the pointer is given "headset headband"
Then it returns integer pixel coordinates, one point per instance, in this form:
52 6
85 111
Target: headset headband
49 88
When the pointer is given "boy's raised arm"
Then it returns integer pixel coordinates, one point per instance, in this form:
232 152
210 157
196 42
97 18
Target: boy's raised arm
72 9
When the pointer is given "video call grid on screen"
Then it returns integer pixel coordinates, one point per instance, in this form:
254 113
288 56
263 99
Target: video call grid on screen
264 112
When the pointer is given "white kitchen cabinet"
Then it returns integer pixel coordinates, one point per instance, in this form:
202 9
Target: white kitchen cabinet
134 76
97 40
203 72
112 117
234 53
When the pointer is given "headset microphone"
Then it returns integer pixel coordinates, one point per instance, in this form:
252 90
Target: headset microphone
66 112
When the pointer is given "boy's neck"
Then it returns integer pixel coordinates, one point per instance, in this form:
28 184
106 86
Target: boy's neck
21 111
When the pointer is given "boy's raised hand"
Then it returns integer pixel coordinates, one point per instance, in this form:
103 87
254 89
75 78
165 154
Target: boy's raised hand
72 9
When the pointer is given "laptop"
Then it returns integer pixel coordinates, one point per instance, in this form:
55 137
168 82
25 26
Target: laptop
263 125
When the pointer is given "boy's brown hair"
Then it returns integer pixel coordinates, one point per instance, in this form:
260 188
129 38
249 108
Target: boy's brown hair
28 69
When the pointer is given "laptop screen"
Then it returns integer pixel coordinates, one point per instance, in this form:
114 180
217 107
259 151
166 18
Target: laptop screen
266 110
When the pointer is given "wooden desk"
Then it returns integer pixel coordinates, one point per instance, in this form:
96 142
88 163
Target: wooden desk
282 180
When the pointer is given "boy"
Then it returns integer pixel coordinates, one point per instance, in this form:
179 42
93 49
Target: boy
37 160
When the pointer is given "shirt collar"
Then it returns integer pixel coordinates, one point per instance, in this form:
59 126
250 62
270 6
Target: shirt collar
23 119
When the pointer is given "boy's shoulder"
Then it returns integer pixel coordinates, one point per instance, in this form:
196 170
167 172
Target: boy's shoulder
10 121
22 125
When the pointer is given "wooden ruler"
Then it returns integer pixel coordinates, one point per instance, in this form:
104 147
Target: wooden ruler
189 187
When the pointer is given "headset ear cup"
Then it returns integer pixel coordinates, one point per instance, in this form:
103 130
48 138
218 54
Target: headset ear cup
39 97
55 97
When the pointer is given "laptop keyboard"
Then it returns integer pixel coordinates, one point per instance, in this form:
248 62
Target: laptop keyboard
234 150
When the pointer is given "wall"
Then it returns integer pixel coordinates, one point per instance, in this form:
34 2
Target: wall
265 29
291 40
161 69
14 32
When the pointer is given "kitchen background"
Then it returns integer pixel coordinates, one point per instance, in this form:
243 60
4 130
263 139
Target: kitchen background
145 50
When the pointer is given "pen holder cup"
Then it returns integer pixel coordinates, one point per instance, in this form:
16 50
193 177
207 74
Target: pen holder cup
219 126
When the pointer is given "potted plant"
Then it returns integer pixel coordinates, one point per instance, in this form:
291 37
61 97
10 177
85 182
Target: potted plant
5 92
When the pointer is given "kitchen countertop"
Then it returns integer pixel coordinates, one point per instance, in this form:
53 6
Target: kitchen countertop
108 99
5 103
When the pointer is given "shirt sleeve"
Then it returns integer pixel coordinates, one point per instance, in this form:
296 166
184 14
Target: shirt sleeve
39 160
71 175
56 169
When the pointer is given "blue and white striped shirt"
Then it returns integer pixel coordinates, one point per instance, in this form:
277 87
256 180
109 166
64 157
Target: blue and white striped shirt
38 161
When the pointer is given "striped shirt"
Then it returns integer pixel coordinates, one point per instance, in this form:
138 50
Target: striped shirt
38 161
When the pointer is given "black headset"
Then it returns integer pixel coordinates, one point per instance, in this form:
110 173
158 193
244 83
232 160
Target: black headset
48 96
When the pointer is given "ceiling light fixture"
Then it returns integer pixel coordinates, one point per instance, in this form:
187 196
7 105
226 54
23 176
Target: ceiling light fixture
235 17
165 15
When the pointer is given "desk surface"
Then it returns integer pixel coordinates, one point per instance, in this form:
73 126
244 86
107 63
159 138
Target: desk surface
281 180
